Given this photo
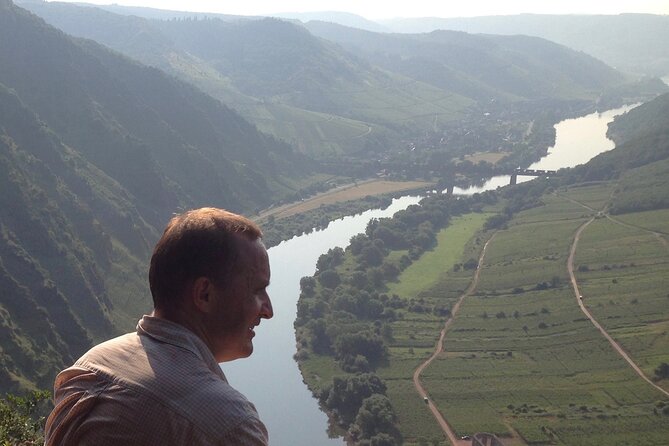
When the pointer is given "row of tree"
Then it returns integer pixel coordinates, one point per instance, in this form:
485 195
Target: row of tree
345 312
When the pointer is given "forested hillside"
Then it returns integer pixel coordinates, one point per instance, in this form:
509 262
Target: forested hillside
479 66
96 153
97 150
634 43
337 91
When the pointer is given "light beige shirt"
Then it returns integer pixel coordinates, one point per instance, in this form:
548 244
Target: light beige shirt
158 386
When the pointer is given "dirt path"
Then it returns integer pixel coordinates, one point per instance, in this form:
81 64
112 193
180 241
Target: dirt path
662 237
448 430
579 299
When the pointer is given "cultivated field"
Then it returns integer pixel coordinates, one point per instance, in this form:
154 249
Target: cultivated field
344 193
521 359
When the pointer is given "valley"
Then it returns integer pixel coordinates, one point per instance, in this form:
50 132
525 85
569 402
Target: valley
405 314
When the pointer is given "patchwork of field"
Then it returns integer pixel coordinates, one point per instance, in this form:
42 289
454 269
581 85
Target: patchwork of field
624 280
416 334
521 359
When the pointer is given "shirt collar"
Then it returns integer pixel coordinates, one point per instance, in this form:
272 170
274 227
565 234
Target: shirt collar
175 334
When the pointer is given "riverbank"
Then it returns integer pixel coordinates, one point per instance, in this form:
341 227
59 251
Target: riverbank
347 192
413 341
317 212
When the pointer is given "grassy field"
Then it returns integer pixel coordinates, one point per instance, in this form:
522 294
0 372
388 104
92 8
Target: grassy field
345 193
521 360
416 334
489 157
426 271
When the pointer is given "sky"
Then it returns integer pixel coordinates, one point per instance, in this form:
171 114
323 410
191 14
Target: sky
380 9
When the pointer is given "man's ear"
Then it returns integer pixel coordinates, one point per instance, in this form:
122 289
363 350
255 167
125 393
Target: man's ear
202 294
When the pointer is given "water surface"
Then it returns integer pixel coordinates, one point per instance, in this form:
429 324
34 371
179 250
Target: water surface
577 141
270 378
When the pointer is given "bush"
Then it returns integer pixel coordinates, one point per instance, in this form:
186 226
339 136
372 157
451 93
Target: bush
662 371
20 420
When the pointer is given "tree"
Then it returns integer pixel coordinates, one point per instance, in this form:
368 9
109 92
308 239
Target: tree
369 345
662 371
372 255
376 416
329 278
319 342
347 393
20 423
308 286
330 260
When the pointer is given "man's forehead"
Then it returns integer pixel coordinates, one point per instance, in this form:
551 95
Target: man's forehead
252 252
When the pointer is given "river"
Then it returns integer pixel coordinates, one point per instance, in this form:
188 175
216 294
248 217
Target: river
577 141
270 378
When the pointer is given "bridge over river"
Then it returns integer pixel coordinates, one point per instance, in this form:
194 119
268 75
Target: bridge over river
530 173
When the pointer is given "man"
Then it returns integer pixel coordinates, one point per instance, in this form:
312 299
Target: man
162 385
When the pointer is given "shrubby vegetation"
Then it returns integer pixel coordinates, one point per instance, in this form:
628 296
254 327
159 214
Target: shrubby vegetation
22 420
345 311
276 230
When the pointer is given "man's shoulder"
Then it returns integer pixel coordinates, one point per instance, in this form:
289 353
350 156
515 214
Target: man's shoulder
174 378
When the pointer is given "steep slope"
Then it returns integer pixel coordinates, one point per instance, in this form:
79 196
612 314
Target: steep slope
96 153
60 223
635 43
166 142
642 138
319 118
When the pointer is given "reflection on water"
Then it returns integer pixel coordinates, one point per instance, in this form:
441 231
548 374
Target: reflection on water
270 378
577 141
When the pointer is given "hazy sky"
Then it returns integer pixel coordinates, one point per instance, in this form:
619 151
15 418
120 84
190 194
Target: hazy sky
379 9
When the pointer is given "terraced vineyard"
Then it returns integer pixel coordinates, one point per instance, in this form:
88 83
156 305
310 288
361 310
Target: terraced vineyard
521 359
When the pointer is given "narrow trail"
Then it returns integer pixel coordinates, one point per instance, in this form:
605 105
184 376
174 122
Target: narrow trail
579 300
661 236
365 133
443 423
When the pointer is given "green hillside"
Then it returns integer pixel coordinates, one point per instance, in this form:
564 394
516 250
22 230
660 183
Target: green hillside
96 153
378 93
520 357
635 43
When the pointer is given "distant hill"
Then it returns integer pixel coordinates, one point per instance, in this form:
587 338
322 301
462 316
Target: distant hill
330 96
341 18
480 66
634 43
322 101
96 153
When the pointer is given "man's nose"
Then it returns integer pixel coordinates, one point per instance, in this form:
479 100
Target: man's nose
266 311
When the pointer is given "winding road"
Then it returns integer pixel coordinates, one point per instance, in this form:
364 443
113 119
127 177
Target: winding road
443 423
448 430
579 299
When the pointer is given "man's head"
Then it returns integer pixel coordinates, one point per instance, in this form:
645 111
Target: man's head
209 271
